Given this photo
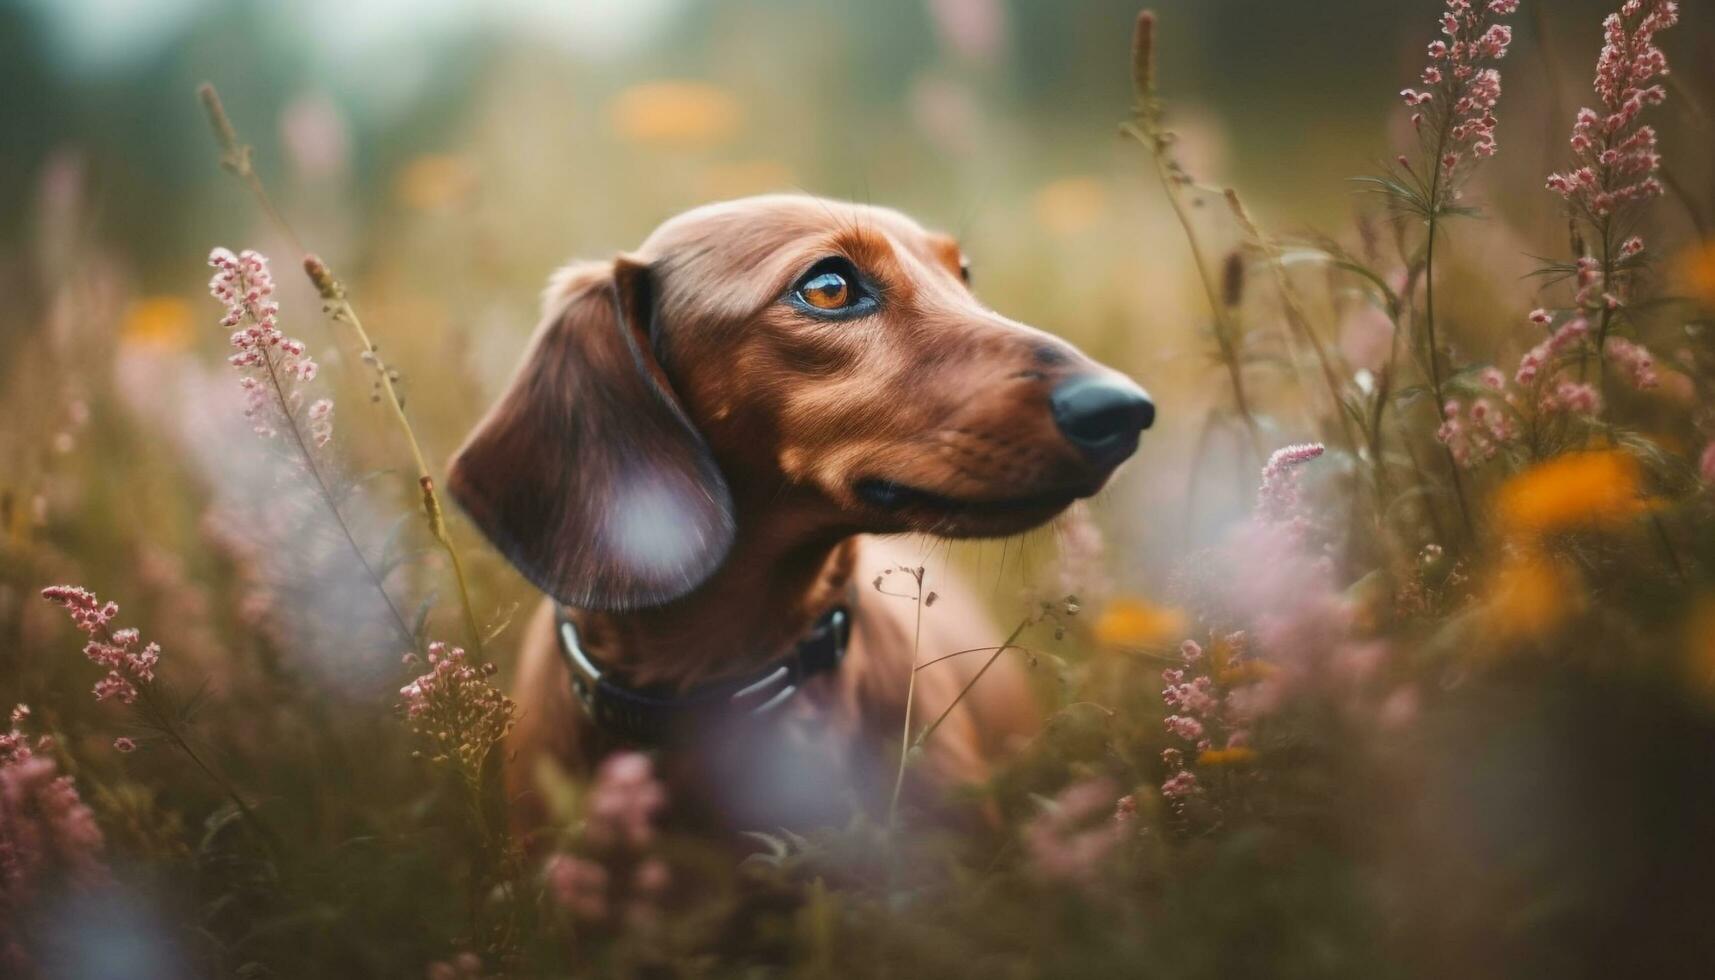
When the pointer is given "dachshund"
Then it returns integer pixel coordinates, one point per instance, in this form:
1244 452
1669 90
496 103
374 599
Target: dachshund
695 461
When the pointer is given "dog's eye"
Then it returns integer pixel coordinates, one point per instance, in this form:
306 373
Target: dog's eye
965 269
832 289
827 291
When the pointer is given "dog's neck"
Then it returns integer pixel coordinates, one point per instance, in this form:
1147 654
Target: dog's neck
780 576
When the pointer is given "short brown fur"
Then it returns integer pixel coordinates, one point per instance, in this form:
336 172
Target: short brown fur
748 426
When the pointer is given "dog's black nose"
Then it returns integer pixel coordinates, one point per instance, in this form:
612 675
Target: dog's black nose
1101 415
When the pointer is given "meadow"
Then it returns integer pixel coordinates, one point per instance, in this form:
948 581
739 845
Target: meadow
1392 653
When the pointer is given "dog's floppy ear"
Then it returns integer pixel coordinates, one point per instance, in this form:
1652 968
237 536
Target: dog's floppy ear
587 473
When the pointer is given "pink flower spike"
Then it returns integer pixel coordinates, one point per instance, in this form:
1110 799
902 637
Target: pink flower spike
1180 785
1637 363
1461 92
272 367
1277 498
1617 159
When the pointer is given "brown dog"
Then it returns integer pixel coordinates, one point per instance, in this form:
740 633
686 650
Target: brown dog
699 438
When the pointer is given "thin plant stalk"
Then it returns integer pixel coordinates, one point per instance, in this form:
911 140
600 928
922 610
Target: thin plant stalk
1226 332
905 743
1009 643
158 714
324 492
960 653
248 814
1434 357
333 292
1146 127
1461 100
236 159
1294 307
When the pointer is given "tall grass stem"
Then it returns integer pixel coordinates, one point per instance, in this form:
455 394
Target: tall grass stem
236 158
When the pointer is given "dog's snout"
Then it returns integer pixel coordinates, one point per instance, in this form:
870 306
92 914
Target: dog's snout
1102 416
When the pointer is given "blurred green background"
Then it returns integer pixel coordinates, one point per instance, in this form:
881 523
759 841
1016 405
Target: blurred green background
951 108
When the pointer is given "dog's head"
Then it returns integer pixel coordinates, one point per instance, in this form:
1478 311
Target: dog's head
786 352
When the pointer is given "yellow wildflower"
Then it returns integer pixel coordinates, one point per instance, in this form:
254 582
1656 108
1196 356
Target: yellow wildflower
158 321
1530 594
1700 645
675 113
1576 490
1236 756
434 181
1697 272
1071 204
1138 623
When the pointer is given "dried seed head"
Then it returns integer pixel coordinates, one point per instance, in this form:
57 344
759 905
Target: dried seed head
234 155
1143 56
1233 280
322 278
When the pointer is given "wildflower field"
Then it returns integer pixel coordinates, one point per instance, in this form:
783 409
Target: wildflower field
1390 654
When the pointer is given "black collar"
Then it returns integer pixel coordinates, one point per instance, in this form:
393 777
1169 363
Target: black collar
646 714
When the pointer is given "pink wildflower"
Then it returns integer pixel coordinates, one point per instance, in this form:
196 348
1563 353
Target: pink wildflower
1462 95
321 421
1568 338
272 365
456 709
624 802
1706 466
1184 726
1278 497
142 664
1070 841
464 966
124 744
48 838
117 687
14 745
126 666
594 891
1634 360
1617 160
620 879
87 612
1572 397
1474 433
1125 809
1180 785
578 885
